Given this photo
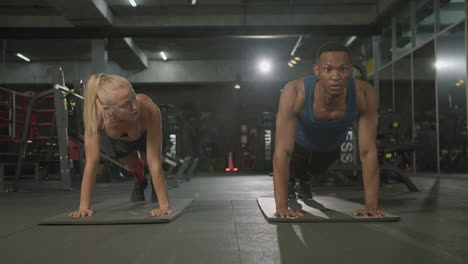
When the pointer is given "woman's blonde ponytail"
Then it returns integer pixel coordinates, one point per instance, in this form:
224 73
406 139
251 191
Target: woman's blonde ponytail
90 111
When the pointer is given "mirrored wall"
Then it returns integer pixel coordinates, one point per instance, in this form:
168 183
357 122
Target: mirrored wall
451 77
422 76
386 89
403 96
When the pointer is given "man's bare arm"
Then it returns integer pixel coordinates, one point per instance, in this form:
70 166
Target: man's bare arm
284 146
368 121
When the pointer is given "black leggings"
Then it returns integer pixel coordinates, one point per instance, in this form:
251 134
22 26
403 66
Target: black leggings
303 161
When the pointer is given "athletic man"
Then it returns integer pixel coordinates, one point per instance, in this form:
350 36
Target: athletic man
313 119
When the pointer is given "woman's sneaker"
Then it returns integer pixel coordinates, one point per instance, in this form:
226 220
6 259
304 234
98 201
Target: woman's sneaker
138 192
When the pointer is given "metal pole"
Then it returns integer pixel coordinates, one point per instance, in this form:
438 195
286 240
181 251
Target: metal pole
436 28
466 85
4 59
392 67
394 47
78 120
376 53
61 122
62 138
413 44
394 37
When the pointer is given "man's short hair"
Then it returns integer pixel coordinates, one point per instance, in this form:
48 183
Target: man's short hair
330 47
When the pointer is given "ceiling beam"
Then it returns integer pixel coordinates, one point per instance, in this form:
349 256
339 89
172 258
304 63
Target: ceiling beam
275 15
134 57
186 32
98 14
84 13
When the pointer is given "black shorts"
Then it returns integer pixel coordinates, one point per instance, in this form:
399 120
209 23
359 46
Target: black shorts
303 161
121 148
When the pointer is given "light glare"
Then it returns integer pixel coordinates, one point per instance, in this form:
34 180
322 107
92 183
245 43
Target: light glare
264 66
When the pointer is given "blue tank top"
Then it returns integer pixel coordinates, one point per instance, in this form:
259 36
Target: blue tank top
324 136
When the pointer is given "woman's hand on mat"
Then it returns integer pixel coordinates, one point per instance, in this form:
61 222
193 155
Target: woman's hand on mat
370 212
161 211
82 213
286 212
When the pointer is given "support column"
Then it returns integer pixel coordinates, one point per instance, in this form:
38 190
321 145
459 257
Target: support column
377 64
99 56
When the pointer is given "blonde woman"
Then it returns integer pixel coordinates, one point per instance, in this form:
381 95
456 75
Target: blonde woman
132 122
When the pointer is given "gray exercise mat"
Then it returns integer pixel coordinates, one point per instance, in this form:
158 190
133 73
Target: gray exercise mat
119 211
320 209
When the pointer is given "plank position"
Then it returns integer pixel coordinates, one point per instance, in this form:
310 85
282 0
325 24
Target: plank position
132 123
313 119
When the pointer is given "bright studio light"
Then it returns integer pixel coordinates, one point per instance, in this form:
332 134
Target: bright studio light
23 57
163 55
237 86
264 66
133 3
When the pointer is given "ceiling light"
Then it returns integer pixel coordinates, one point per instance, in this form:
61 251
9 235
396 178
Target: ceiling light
260 36
298 44
297 58
290 64
194 2
294 62
133 3
23 57
163 55
237 86
350 41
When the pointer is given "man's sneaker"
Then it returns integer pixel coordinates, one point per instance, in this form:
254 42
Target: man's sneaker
291 191
138 192
304 191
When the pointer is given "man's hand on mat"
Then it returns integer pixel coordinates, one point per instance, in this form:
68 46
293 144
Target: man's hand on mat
370 212
82 213
286 212
161 211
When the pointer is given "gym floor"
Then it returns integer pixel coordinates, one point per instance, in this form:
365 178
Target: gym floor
225 225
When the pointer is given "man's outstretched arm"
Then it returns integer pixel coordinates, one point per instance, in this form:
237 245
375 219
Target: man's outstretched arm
368 121
284 146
